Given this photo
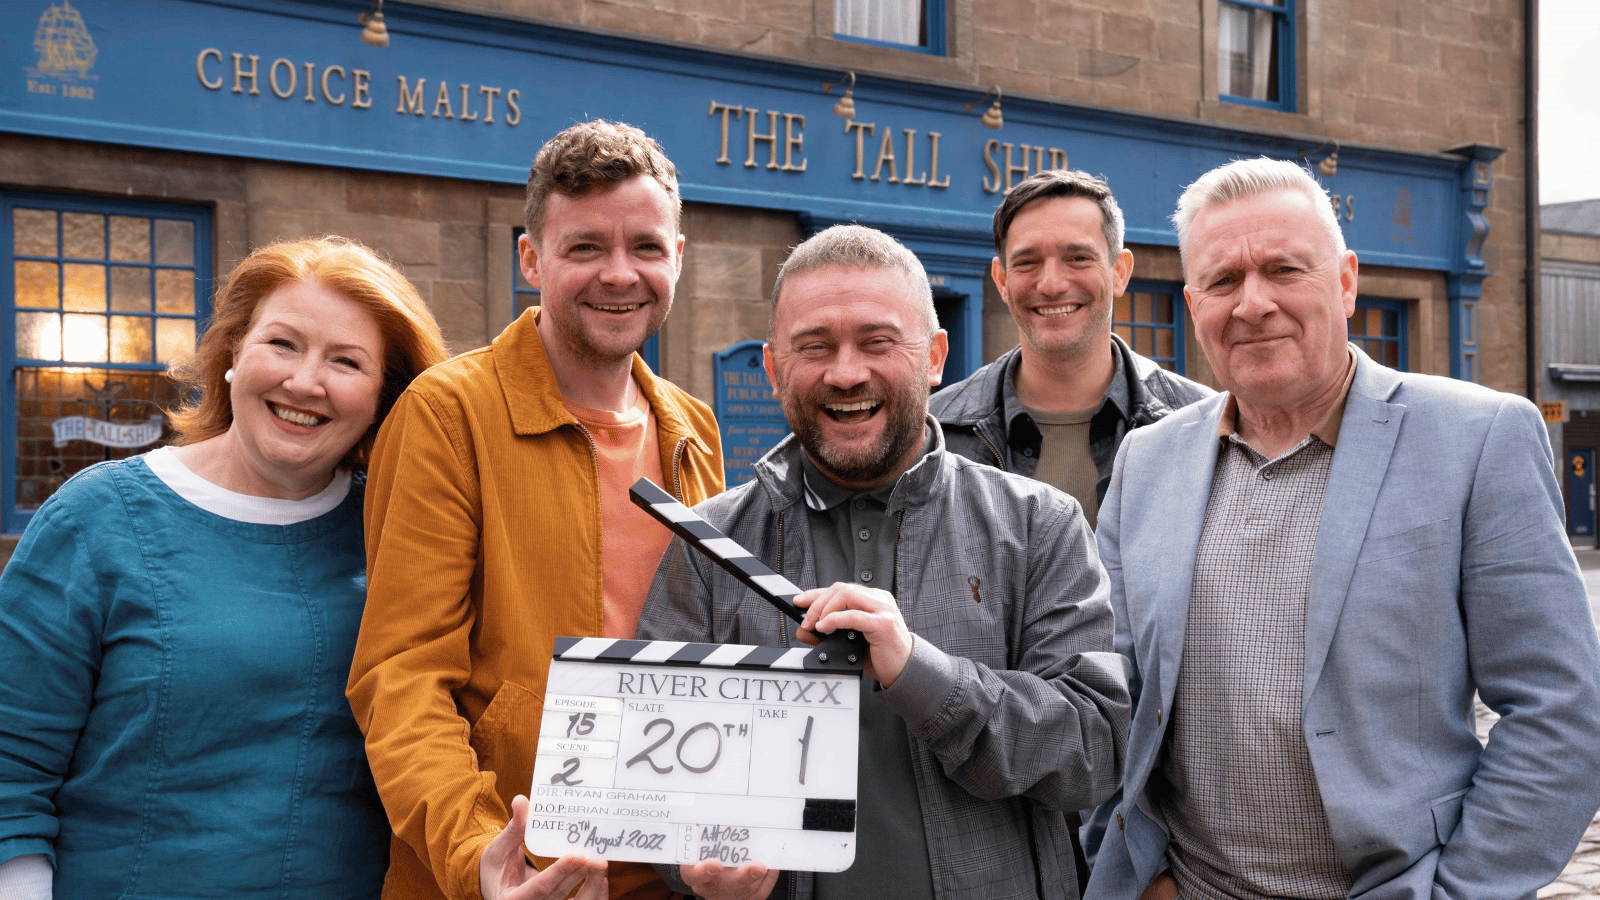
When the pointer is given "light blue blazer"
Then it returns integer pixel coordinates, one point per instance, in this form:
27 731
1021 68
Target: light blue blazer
1442 567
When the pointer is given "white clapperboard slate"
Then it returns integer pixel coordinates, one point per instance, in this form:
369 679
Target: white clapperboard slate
672 752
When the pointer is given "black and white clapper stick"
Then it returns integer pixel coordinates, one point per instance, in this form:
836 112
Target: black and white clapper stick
839 651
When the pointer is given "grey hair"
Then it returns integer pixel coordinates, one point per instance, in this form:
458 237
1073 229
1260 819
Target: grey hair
1244 178
855 247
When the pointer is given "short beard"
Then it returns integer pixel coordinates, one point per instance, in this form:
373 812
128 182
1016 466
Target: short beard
904 431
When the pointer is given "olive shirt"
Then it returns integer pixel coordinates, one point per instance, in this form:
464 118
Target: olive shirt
853 541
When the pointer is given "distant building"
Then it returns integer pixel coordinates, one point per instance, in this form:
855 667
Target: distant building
146 147
1569 297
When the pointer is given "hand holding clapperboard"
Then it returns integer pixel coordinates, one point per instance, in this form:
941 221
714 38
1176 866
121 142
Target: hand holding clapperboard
669 752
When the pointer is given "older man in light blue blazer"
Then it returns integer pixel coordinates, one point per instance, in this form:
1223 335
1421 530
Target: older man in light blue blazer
1312 575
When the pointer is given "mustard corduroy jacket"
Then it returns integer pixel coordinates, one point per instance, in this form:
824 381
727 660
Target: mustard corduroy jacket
483 545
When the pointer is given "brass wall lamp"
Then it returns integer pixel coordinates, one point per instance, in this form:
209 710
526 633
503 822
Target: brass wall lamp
846 107
1328 165
992 118
374 31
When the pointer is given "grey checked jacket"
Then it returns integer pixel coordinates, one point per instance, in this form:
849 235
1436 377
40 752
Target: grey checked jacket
1016 706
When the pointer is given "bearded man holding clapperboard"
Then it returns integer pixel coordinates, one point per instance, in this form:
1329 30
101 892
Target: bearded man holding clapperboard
994 701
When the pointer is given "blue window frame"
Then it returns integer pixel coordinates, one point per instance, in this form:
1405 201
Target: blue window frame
525 295
102 296
916 25
1255 53
1379 328
1149 316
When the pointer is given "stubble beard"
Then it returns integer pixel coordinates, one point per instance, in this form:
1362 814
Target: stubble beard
1044 339
590 345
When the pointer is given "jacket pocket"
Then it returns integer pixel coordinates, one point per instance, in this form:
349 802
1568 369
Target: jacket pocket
1409 540
1447 814
504 737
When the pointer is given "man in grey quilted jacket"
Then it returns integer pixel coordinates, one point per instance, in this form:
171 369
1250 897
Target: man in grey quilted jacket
994 702
1057 406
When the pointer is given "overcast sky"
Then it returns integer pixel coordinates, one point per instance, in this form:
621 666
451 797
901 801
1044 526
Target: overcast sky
1569 100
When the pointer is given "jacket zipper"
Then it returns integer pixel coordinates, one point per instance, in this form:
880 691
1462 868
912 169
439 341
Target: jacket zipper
999 461
900 525
677 469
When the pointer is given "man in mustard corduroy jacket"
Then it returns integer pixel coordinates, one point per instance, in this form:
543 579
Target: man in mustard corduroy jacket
498 519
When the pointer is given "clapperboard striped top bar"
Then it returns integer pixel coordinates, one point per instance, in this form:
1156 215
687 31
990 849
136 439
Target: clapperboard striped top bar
679 653
723 550
838 651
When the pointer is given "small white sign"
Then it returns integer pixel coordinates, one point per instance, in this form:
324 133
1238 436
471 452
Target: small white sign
109 434
674 763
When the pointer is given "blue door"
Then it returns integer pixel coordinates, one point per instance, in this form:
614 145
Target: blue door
1580 492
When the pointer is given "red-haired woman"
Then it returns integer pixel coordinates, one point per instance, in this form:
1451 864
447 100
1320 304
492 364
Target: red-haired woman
176 628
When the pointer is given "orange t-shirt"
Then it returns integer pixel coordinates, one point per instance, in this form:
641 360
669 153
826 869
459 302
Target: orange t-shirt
631 543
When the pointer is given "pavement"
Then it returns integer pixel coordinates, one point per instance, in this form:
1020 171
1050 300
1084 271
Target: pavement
1581 878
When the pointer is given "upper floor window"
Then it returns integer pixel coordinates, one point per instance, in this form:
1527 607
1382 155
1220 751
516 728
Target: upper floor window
904 24
102 296
1255 52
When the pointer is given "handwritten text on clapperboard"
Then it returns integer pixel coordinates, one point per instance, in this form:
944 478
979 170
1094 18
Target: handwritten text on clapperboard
659 763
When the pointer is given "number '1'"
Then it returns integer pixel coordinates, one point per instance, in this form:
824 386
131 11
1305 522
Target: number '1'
805 747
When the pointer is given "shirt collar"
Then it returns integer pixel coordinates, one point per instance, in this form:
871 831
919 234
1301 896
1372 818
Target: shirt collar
1326 429
1116 392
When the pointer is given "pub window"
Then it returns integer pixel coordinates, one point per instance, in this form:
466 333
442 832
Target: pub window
103 296
1379 329
1149 318
525 295
1468 351
1255 52
904 24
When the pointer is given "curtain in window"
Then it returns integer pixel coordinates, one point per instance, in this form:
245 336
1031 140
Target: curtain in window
893 21
1245 51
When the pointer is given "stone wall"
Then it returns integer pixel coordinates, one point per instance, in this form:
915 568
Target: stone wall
1425 77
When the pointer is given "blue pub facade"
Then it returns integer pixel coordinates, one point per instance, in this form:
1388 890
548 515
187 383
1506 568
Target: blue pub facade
145 146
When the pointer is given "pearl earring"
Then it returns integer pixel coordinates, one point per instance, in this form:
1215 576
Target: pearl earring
228 376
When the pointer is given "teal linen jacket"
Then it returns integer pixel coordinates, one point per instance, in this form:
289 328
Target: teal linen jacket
172 712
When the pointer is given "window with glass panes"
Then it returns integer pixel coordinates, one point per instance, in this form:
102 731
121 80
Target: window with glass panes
1255 52
104 295
916 25
525 295
1149 317
1378 327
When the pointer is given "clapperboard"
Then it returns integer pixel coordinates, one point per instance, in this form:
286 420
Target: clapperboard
673 752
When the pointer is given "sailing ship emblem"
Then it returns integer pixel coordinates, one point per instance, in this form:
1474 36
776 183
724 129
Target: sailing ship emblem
66 51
